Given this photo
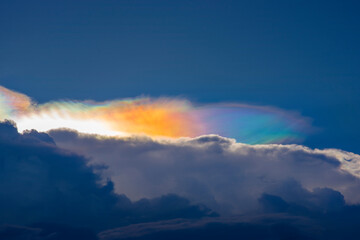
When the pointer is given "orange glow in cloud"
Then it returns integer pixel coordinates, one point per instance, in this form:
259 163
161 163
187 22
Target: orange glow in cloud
163 117
158 118
153 118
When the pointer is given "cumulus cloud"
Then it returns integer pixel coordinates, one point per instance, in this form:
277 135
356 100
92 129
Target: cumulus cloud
40 182
225 175
66 185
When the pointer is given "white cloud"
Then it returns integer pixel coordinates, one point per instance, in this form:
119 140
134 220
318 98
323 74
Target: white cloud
227 176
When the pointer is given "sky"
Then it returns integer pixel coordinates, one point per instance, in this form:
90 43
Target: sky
250 72
296 55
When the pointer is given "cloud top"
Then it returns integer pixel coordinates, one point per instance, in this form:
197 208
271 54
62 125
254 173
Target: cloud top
225 175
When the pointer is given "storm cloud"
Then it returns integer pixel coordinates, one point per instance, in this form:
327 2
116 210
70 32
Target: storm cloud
40 182
66 185
225 175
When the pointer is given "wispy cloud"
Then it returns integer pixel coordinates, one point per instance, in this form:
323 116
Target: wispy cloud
161 117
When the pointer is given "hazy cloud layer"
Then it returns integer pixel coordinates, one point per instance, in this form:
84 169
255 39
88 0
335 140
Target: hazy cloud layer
226 176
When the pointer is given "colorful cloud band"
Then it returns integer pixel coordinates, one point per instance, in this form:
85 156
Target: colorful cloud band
163 117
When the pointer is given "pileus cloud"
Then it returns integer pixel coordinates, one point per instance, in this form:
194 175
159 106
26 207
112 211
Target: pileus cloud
157 118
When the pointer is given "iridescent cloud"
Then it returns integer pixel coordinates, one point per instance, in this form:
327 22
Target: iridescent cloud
162 117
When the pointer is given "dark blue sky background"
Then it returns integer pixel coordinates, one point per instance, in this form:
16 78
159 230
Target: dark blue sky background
297 55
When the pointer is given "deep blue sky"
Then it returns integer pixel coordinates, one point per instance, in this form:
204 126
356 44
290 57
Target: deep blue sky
297 55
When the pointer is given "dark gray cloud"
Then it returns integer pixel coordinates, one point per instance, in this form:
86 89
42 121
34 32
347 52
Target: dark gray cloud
71 186
318 214
45 232
41 183
237 227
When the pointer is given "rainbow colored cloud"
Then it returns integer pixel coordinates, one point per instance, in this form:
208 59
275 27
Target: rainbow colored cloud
162 117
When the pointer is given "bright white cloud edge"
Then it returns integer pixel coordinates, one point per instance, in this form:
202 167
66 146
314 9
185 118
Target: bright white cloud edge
225 175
